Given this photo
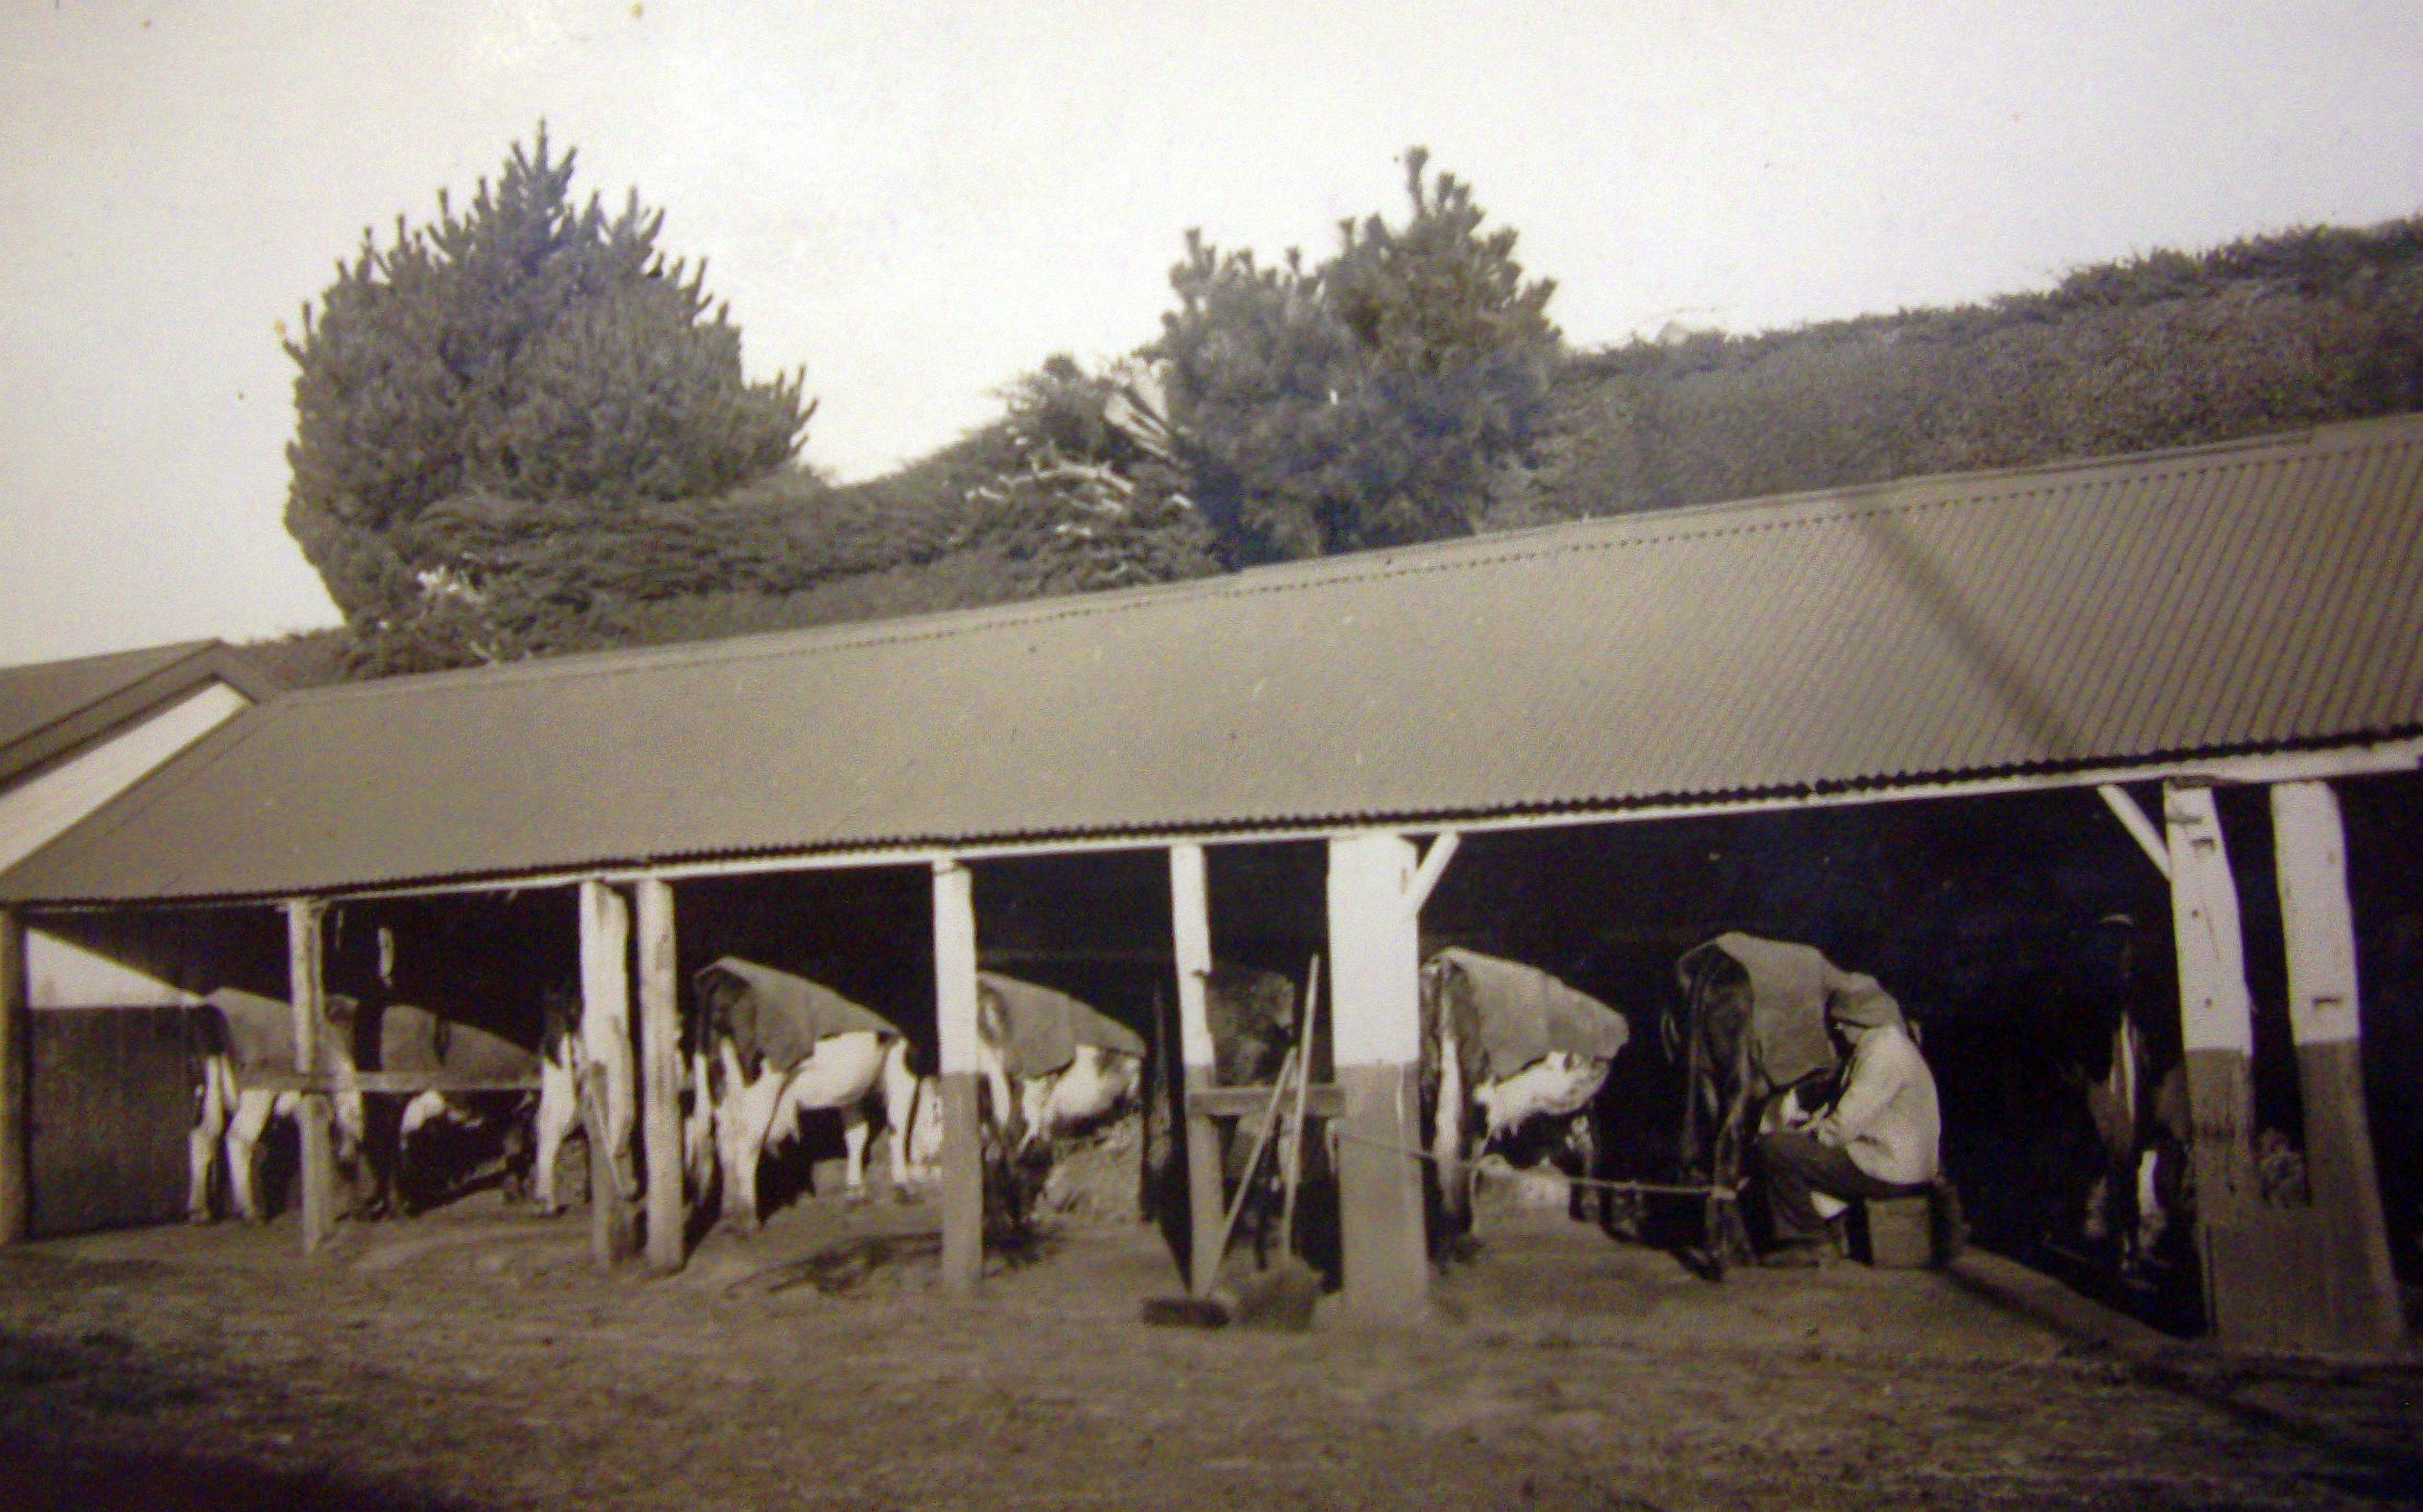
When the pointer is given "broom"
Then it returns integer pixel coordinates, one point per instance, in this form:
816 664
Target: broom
1199 1308
1283 1295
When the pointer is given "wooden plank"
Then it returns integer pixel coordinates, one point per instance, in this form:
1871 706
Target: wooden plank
1323 1100
327 1083
2357 1309
1374 951
1189 913
605 1055
660 1074
955 1026
111 1099
305 995
16 1067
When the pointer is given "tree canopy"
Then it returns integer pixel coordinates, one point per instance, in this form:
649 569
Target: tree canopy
1370 401
527 359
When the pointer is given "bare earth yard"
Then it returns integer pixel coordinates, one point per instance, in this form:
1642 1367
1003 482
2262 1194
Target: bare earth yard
471 1359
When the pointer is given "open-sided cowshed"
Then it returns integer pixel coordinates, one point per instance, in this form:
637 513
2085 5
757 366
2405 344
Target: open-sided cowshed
2241 614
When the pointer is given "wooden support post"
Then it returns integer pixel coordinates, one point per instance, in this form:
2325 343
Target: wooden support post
16 1082
954 1027
1374 951
309 1000
1190 912
660 1076
2349 1302
2217 1032
606 1072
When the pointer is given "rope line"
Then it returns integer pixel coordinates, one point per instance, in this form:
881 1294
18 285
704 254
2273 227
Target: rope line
1719 1191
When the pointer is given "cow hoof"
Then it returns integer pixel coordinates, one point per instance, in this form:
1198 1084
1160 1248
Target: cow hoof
200 1215
855 1196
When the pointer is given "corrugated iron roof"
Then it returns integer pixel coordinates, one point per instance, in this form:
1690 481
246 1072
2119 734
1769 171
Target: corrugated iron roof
2232 598
52 709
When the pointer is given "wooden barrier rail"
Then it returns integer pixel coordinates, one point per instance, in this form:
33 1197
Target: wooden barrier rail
387 1081
1322 1100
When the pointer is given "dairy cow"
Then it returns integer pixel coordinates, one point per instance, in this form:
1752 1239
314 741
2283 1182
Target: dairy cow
243 1038
771 1047
396 1037
1055 1065
1508 1051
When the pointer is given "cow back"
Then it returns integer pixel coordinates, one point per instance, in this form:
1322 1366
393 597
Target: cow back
1789 986
778 1019
404 1037
1509 1016
257 1032
1041 1027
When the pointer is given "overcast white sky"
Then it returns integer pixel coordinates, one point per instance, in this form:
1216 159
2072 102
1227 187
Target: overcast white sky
920 201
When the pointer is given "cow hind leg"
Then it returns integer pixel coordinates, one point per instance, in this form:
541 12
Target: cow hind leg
558 1112
899 1109
741 1126
853 1145
252 1114
202 1144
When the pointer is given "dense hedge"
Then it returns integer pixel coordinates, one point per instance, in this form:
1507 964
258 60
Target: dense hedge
2166 350
2169 349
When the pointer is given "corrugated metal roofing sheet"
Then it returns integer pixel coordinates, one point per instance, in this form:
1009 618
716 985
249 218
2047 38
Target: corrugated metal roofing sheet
2221 599
51 709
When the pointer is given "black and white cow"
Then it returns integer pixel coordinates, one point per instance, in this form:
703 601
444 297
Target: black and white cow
771 1047
396 1037
1055 1065
243 1035
1509 1050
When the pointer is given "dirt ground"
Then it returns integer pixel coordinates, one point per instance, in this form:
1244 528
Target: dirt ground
471 1359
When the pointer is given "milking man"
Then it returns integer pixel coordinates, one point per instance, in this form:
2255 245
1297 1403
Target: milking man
1878 1139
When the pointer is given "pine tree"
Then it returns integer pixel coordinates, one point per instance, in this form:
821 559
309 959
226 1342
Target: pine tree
528 351
1370 401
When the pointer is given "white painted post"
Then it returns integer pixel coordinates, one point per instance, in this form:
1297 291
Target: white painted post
308 999
606 1074
660 1076
1190 914
1375 956
955 1028
2358 1307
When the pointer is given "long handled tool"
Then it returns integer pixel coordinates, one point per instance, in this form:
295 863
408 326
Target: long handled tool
1292 1158
1282 1296
1246 1184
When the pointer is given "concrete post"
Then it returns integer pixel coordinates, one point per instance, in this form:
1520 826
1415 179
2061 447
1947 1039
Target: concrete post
1374 951
954 1027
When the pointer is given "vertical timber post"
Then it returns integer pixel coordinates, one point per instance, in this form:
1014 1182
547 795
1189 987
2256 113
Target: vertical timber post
955 1026
660 1074
16 1082
604 1077
308 997
1189 913
1374 951
2358 1307
2217 1032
